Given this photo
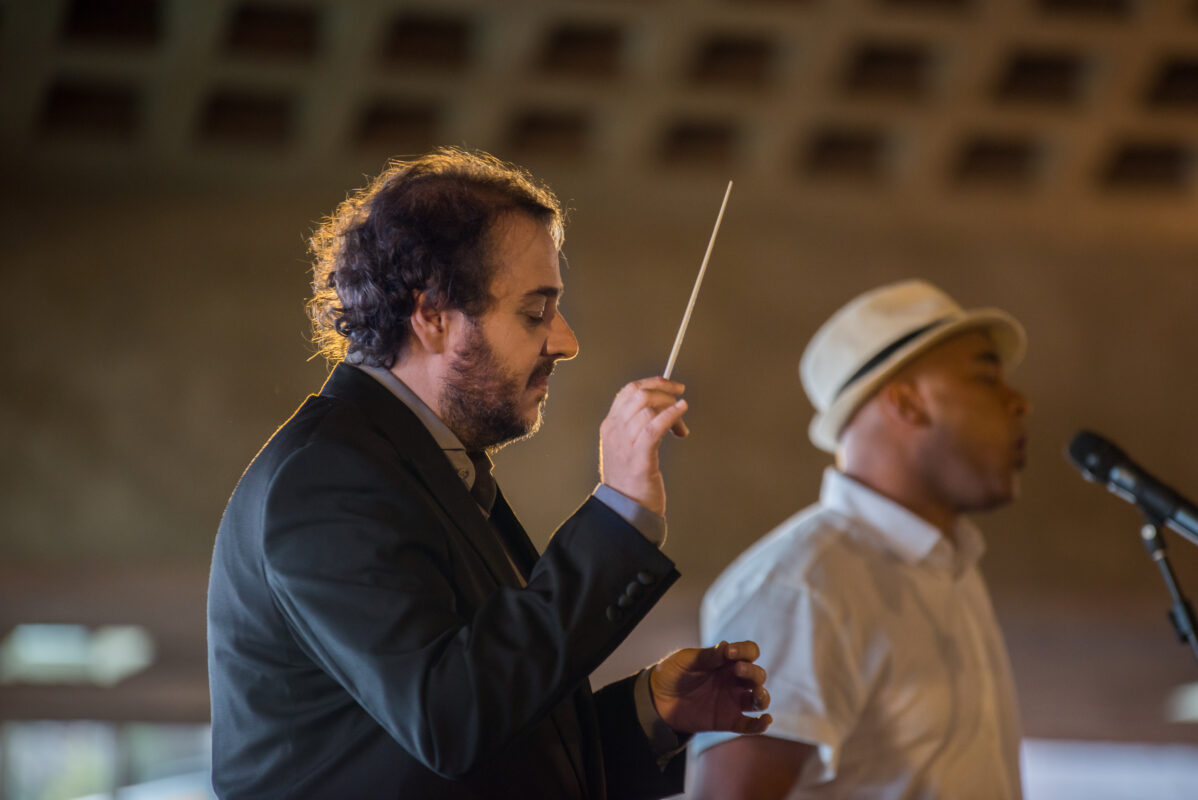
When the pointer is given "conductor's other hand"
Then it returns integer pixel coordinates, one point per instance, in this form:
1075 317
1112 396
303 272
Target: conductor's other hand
711 689
630 435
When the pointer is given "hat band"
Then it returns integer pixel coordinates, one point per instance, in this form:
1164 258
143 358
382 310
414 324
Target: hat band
885 353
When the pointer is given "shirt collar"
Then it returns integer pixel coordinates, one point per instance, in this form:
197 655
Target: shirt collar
900 530
446 439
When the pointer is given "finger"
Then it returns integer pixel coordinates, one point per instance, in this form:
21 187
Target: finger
659 384
655 384
749 672
680 429
640 422
755 699
702 660
666 419
744 651
625 407
761 698
752 724
647 397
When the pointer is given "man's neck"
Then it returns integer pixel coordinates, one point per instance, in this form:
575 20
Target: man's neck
420 375
900 487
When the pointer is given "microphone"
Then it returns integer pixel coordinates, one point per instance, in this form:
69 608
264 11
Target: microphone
1101 461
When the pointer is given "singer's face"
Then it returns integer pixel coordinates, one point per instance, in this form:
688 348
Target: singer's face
974 443
498 379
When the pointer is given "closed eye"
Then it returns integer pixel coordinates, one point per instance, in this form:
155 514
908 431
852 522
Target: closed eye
540 313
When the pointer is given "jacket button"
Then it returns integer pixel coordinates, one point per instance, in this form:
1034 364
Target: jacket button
614 614
646 578
634 590
625 601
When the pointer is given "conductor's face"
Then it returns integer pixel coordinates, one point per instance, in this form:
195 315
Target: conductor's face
499 376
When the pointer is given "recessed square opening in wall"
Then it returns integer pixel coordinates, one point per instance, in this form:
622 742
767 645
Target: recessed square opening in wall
846 153
735 61
75 108
1043 77
1092 9
557 133
398 126
273 31
247 118
1175 85
113 23
699 143
780 3
1149 166
998 161
929 5
582 50
428 41
889 69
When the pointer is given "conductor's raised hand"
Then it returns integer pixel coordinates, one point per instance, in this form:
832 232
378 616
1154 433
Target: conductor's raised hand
710 689
630 436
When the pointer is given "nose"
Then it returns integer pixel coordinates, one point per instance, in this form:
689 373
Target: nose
562 344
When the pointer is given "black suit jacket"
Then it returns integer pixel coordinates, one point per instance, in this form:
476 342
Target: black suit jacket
368 637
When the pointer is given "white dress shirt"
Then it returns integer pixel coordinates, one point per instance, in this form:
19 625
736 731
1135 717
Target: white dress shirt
881 648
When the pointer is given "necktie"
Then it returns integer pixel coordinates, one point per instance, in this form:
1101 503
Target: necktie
484 488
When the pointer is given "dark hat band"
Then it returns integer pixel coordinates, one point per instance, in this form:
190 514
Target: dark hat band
885 353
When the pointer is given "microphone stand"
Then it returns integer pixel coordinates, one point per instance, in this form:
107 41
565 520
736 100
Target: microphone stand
1182 613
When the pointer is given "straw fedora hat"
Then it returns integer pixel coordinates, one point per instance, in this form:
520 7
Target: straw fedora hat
867 340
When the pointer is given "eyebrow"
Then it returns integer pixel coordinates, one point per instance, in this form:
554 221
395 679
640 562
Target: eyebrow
548 292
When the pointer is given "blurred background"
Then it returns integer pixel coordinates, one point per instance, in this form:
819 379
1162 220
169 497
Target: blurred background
163 162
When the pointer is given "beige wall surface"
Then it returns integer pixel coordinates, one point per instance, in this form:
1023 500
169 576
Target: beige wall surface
155 337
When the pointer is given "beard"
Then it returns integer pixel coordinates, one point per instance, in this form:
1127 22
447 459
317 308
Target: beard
481 401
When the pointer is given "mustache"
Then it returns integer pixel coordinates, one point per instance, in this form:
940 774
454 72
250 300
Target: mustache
543 371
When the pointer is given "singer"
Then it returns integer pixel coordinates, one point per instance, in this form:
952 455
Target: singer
888 672
379 624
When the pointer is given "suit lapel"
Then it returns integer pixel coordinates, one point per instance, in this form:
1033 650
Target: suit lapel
519 546
416 446
575 715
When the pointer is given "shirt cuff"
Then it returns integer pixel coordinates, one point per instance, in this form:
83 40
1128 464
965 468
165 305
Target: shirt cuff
664 741
650 524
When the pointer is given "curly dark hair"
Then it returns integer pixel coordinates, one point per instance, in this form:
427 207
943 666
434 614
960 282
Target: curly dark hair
420 226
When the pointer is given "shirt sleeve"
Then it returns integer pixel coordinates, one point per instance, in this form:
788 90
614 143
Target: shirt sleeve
816 689
665 741
650 524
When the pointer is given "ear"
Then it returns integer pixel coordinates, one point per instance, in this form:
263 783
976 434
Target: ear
430 325
902 401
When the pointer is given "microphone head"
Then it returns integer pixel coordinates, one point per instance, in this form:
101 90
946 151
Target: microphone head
1094 456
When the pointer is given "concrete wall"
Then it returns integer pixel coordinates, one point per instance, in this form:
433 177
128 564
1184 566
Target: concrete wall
155 336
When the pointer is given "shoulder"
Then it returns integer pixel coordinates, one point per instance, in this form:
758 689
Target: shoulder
327 461
323 434
815 554
785 555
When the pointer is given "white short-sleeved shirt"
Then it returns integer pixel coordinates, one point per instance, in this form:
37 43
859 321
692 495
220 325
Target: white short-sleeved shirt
881 648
